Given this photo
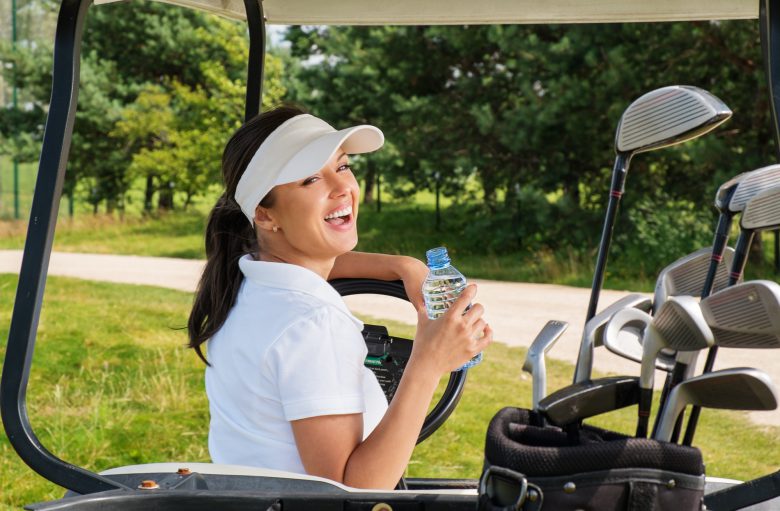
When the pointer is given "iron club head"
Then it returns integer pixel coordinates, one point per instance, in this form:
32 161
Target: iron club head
732 389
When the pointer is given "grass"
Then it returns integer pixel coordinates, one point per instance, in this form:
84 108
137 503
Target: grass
111 384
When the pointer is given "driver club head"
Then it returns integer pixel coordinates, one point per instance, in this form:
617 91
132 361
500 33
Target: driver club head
593 333
534 359
732 389
746 315
668 116
686 275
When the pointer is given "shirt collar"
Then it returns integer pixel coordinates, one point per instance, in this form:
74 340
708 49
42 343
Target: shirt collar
294 278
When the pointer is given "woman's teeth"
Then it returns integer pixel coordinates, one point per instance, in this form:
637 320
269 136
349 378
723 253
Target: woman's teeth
342 212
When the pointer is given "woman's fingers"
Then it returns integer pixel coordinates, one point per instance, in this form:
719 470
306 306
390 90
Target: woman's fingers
463 302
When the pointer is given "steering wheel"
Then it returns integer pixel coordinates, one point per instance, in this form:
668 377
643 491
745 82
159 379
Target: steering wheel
388 355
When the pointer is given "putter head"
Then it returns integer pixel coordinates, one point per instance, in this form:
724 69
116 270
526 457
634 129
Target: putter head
762 211
593 333
589 398
545 340
748 186
534 360
732 389
745 316
686 275
624 333
668 116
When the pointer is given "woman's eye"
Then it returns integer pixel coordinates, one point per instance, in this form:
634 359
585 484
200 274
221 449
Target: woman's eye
310 180
346 166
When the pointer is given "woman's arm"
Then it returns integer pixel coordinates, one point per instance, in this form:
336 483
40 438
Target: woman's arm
384 267
330 446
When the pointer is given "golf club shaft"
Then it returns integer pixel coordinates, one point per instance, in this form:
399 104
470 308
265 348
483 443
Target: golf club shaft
737 268
643 414
619 173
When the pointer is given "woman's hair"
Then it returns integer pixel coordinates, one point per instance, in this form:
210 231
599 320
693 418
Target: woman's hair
228 234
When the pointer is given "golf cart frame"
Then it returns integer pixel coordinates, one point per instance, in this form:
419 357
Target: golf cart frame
51 173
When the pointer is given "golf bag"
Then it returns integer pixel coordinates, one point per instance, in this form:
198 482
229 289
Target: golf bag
528 467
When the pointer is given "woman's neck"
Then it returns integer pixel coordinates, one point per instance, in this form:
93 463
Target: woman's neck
320 267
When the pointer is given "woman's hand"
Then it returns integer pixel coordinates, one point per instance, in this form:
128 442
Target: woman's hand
445 344
413 273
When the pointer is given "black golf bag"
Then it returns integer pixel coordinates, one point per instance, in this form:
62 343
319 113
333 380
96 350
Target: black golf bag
528 467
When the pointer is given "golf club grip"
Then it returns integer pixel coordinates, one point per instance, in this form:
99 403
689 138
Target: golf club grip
616 191
643 412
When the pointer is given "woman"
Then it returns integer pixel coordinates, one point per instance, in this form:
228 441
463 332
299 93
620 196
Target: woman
285 378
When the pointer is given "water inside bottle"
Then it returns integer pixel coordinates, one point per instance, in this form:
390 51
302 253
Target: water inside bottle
441 293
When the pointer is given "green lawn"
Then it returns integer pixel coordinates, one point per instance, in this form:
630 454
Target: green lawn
112 385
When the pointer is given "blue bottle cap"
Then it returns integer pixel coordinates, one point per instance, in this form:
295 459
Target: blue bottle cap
437 257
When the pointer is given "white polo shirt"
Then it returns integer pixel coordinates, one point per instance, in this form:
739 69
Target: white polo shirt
289 349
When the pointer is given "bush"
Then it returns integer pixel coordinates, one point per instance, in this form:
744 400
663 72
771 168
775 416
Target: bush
660 231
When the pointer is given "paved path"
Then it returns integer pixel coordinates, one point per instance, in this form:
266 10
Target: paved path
516 311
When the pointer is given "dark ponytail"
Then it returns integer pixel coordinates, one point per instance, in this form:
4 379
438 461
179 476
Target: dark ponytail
229 235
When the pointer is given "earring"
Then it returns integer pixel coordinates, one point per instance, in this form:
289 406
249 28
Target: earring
276 228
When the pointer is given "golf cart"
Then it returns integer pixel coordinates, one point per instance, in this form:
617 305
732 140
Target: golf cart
205 486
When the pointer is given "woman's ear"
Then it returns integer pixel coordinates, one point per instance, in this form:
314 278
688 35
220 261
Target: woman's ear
264 219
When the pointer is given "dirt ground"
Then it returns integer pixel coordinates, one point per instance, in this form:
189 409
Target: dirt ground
516 311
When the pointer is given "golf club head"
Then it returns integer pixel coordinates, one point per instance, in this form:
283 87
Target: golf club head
727 190
745 316
668 116
686 275
593 333
589 398
680 326
748 185
624 333
534 359
762 211
732 389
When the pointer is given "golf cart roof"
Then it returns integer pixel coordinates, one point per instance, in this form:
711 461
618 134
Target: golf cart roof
468 12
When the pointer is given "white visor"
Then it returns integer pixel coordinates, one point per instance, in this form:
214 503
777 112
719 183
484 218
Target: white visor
298 148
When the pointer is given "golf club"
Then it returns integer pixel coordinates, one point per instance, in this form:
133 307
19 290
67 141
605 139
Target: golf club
534 359
731 389
661 118
628 328
761 212
687 276
593 333
731 198
572 404
679 325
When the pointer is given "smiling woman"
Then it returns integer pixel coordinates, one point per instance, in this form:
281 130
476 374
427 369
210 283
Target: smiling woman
285 378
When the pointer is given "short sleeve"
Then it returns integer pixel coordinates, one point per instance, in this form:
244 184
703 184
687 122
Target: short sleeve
317 364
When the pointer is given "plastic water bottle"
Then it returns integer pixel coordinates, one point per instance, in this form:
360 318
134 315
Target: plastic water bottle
442 287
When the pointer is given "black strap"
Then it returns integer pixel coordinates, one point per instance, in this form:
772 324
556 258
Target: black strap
502 489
